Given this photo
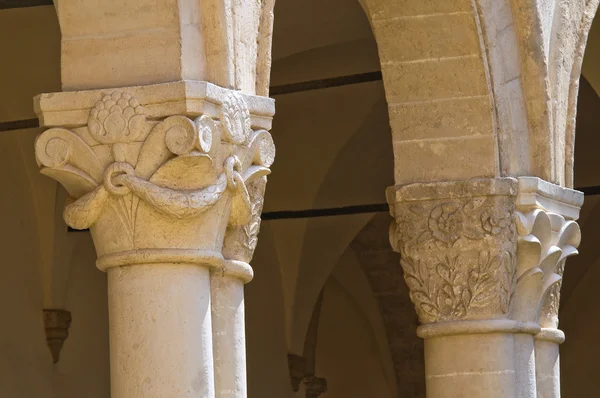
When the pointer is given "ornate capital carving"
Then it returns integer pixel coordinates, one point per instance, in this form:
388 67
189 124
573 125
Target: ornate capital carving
548 235
174 188
457 242
56 325
315 386
297 369
485 250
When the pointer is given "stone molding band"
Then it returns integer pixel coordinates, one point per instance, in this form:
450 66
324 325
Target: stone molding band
485 326
206 258
237 269
552 335
501 186
211 259
188 98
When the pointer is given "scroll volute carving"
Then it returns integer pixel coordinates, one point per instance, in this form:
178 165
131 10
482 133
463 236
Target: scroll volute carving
458 256
133 180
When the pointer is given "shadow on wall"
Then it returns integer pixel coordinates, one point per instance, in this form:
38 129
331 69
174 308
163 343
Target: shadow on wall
266 345
347 356
382 267
360 173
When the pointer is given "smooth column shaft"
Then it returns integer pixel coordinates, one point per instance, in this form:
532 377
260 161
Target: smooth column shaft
160 331
471 365
525 365
547 360
229 336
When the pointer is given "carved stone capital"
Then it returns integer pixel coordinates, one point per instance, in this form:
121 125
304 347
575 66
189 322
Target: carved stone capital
458 247
56 325
490 252
315 386
297 369
168 173
548 235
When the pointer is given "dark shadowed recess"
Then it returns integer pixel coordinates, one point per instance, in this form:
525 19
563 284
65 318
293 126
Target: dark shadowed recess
4 4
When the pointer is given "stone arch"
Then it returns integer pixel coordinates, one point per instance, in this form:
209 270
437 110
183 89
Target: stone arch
481 89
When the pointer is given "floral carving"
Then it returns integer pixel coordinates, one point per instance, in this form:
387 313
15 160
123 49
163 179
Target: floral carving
240 241
236 118
446 222
494 223
251 229
449 288
449 221
458 256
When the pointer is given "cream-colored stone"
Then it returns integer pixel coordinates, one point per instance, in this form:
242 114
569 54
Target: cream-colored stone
548 236
187 98
160 331
437 36
382 9
474 365
216 41
453 118
166 200
500 115
485 258
444 159
434 79
501 50
154 51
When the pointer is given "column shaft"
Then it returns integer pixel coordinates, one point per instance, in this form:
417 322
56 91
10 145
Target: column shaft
168 199
470 365
525 366
229 338
547 358
160 331
482 260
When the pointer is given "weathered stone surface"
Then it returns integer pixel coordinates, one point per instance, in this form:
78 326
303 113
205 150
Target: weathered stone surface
484 258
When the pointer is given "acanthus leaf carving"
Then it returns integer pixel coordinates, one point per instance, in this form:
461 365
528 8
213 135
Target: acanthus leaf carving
545 241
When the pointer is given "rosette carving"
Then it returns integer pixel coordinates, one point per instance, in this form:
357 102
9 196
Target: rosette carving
458 256
179 167
477 256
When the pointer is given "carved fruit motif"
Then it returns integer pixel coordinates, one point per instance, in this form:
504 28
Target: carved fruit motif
116 118
155 161
235 119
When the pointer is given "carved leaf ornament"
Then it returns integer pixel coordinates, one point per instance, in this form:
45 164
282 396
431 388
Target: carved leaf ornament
479 258
121 157
545 242
453 263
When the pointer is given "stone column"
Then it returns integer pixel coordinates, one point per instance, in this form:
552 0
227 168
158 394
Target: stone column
478 263
548 234
170 179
